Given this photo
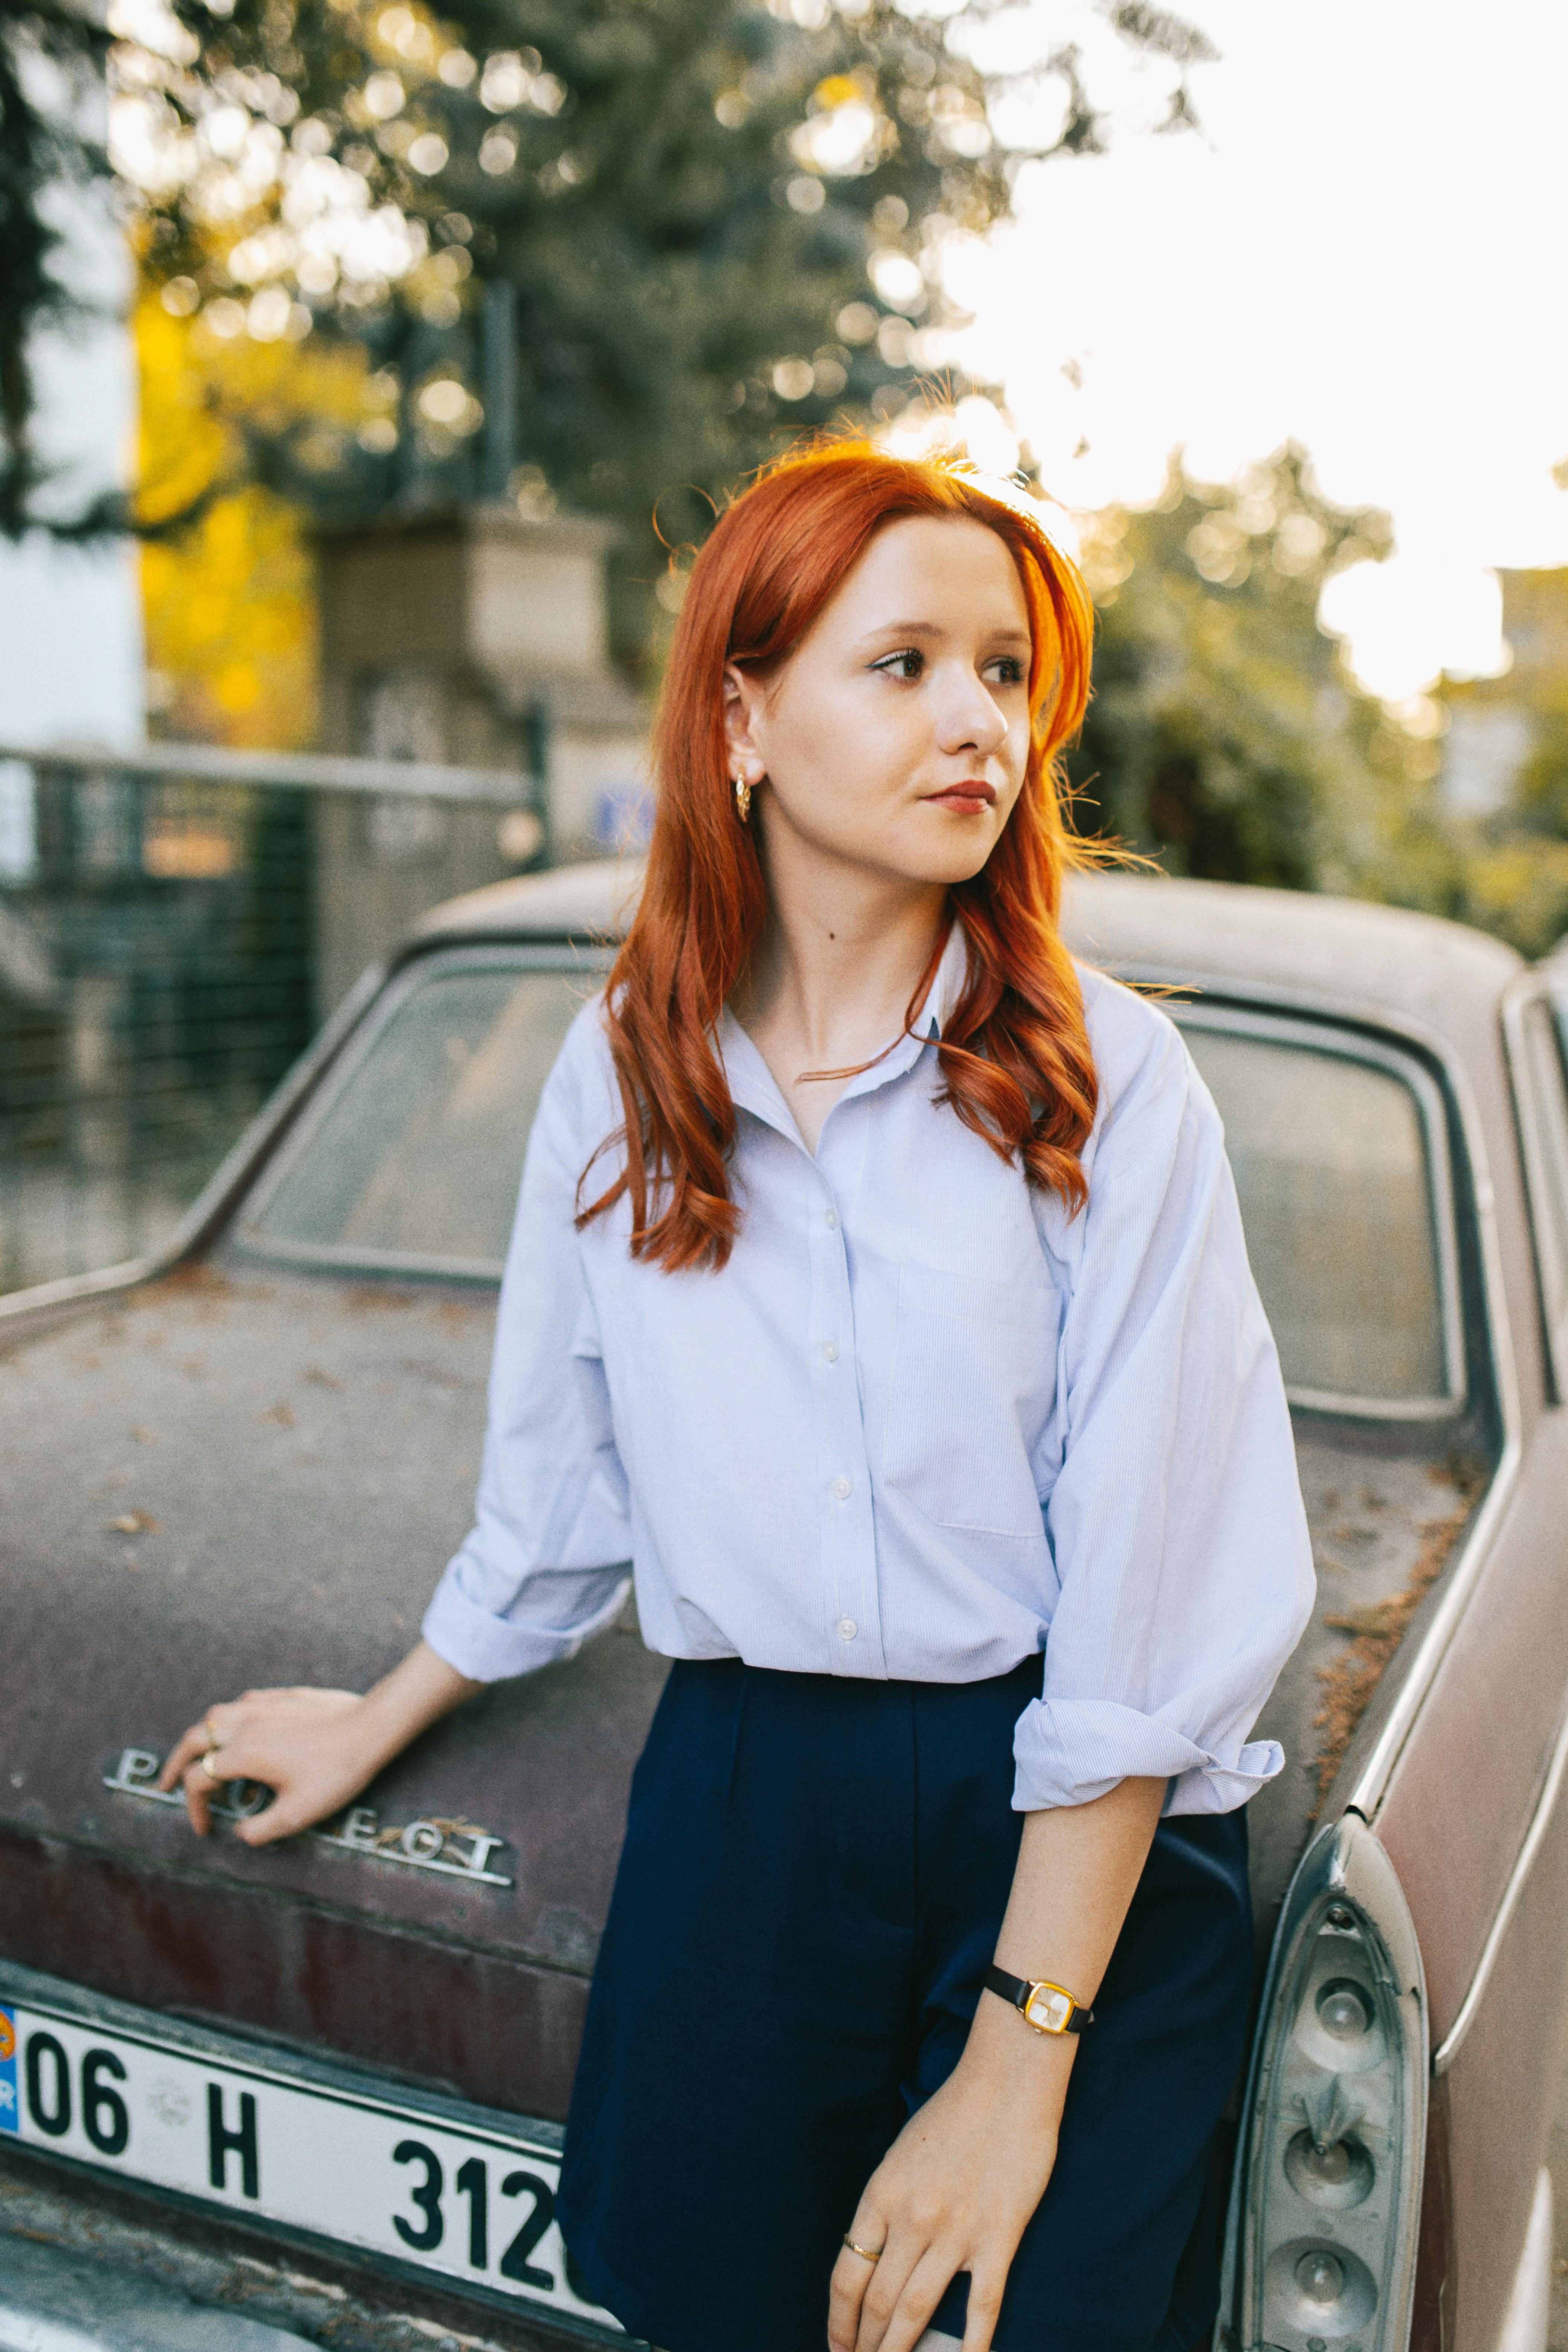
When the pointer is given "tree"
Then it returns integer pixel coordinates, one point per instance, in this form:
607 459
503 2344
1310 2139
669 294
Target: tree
1516 861
1226 737
715 221
52 57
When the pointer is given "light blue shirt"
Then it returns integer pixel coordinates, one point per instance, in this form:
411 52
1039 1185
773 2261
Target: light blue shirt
924 1425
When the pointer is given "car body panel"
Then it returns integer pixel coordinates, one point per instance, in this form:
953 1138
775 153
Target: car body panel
310 1446
240 1419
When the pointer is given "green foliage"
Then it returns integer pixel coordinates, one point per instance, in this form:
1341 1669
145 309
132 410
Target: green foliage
721 221
1516 861
1226 739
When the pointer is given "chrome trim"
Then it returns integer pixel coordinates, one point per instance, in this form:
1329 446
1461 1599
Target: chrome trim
46 1302
1534 1837
357 1829
481 955
1373 1779
1372 1783
1344 1858
343 1258
1316 1037
1532 988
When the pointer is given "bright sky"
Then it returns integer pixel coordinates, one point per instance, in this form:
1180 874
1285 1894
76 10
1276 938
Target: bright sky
1363 250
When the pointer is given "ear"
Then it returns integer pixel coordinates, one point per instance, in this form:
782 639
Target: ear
744 723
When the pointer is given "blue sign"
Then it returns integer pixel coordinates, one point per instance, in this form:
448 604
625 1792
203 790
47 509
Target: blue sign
8 2116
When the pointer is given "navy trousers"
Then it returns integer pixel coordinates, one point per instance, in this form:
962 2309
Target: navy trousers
814 1875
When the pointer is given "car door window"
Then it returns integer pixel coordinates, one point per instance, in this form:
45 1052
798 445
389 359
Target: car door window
1339 1165
414 1156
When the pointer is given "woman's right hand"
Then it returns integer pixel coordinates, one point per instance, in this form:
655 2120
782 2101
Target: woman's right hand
310 1748
315 1749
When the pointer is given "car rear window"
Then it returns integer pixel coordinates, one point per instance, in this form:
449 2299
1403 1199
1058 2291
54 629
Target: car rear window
413 1160
1342 1173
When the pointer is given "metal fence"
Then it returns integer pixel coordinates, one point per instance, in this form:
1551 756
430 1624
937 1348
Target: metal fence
165 918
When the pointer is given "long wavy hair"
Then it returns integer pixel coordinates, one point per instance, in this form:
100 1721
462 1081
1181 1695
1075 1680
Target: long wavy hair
1015 1055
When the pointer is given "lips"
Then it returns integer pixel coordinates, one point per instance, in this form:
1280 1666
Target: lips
966 799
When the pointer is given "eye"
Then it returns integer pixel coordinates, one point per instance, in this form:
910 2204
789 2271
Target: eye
906 665
1009 670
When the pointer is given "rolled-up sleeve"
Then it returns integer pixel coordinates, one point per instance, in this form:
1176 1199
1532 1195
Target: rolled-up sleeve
547 1562
1176 1521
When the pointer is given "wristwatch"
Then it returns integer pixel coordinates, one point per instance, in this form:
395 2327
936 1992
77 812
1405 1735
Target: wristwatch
1048 2008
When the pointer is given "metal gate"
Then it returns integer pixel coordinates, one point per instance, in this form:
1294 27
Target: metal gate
162 923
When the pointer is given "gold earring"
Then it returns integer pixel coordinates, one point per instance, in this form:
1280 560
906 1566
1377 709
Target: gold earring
743 798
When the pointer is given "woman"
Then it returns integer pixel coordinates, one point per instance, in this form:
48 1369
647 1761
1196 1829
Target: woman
877 1292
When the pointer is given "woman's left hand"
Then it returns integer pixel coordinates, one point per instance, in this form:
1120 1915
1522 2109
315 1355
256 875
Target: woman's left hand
954 2192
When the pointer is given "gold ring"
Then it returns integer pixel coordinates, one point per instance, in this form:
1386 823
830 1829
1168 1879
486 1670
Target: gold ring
205 1761
864 2251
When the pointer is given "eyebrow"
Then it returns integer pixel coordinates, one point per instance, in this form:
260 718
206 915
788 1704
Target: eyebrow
1006 636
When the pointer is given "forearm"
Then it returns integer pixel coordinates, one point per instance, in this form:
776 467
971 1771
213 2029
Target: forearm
1078 1868
420 1689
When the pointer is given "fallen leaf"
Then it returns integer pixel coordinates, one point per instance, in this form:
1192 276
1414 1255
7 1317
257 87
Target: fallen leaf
143 1436
136 1523
282 1414
317 1379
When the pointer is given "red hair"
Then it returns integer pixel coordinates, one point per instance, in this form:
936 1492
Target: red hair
1015 1055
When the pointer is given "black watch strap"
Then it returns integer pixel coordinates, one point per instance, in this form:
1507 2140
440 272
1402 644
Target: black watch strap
1048 2008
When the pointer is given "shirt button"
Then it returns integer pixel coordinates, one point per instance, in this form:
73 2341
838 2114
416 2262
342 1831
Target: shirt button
848 1629
841 1487
831 1221
830 1349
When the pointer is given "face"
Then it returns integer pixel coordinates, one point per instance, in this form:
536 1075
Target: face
895 738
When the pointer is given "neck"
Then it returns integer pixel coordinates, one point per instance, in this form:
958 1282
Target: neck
841 955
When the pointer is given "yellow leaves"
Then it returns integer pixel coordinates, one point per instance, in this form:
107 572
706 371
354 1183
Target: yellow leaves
229 603
229 611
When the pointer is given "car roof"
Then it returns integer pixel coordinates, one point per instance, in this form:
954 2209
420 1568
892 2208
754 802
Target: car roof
1343 956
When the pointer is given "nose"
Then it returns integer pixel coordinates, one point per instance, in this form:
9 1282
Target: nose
969 716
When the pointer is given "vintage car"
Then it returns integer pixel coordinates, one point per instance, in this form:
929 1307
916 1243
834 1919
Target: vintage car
320 2087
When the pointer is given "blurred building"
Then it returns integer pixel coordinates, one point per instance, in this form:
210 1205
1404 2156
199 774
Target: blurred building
475 636
1496 723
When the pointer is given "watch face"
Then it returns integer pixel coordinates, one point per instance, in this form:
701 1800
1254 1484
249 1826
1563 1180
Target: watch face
1048 2009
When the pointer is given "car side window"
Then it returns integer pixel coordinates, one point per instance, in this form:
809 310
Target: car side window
1340 1167
411 1158
1546 1160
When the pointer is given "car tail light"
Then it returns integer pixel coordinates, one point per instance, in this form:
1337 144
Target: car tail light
1320 2249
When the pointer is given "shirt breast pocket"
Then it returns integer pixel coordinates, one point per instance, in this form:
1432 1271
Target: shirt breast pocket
973 1377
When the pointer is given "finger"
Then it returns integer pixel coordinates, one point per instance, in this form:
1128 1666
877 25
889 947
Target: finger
903 2250
280 1819
924 2287
852 2274
199 1795
984 2306
184 1753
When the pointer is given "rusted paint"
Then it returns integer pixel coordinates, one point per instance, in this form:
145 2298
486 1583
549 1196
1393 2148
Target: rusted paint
480 2022
1376 1630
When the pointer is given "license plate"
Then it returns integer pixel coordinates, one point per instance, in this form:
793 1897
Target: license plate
465 2193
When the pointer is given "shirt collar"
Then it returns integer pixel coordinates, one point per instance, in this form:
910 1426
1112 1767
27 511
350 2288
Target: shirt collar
753 1088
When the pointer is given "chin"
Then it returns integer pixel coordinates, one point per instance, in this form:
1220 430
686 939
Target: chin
960 857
